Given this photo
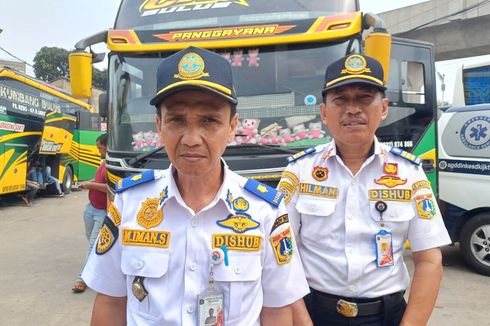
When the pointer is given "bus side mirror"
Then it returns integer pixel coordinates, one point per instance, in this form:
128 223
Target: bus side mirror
80 64
103 105
378 46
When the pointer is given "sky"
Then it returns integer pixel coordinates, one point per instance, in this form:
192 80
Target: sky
29 25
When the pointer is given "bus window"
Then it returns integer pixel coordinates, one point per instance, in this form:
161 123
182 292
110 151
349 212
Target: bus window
412 74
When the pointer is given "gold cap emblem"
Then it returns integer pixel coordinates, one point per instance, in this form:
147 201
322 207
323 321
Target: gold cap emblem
191 66
355 64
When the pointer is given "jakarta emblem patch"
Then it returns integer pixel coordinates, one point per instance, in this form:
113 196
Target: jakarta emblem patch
282 244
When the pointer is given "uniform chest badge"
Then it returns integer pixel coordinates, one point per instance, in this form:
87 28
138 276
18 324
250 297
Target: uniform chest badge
425 206
390 168
241 221
149 215
320 173
390 179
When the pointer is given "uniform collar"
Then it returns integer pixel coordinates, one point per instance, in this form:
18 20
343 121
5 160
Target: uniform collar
331 150
171 189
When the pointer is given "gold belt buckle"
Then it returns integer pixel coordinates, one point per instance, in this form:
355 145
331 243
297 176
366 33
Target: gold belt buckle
346 308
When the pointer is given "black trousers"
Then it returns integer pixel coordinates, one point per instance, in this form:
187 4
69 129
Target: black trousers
391 315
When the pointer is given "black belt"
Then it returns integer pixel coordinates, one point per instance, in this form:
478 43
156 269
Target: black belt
352 307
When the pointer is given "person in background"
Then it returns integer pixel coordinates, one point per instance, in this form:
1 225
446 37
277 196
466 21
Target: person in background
52 180
33 183
95 211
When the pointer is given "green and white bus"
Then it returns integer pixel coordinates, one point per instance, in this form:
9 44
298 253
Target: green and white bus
38 121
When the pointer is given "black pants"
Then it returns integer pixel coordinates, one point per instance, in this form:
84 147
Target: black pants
391 315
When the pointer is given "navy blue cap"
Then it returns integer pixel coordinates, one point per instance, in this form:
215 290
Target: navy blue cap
194 68
354 69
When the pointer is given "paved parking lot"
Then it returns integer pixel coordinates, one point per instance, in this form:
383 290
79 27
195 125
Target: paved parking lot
43 247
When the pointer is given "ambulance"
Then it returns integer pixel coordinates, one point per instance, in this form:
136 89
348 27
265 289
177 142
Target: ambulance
464 181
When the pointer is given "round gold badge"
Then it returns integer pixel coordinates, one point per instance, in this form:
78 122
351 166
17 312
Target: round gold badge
240 204
149 215
320 173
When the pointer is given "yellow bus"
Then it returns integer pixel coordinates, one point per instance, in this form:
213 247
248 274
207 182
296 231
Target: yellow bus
279 50
41 123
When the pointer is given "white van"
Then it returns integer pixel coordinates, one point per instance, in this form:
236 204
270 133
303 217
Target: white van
464 181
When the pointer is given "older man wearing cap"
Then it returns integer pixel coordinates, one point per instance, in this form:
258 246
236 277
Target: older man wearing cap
354 202
195 238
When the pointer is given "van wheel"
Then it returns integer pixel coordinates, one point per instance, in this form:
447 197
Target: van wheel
67 181
475 243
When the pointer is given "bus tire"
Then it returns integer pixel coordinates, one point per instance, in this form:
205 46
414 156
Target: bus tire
67 181
475 243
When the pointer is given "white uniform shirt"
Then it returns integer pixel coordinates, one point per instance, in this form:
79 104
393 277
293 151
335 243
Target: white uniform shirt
174 276
337 220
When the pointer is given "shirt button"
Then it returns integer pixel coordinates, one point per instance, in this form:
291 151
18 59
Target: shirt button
350 217
352 288
194 222
193 266
349 250
138 265
353 182
237 270
190 308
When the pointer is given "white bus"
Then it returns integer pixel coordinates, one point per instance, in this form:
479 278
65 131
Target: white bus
464 180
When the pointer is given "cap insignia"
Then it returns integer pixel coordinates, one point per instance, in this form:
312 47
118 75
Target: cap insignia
191 66
355 64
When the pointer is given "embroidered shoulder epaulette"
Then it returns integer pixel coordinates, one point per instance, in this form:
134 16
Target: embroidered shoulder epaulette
301 154
406 155
134 180
269 194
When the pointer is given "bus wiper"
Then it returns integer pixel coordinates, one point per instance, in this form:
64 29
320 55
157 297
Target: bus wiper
274 147
137 161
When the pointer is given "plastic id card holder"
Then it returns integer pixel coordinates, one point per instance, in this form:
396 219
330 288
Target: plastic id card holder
210 308
384 249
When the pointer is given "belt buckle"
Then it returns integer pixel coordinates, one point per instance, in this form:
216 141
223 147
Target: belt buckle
346 308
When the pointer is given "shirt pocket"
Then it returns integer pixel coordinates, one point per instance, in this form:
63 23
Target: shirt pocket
316 217
153 266
396 219
240 283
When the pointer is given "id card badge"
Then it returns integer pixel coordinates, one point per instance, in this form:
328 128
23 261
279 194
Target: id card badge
384 249
210 308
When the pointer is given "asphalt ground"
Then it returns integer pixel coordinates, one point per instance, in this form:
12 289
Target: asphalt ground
43 246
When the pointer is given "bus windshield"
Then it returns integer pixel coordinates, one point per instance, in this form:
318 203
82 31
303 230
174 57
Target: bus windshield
171 14
278 88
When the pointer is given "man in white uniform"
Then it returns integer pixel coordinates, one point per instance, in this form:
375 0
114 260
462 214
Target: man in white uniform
354 202
196 237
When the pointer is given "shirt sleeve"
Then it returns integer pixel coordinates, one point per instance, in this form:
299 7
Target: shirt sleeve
102 273
288 185
283 278
427 229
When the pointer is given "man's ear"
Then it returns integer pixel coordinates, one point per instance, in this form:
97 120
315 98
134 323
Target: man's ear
323 113
158 122
384 110
233 126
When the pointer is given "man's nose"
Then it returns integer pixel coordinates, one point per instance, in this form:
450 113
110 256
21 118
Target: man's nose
192 136
353 106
